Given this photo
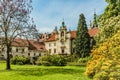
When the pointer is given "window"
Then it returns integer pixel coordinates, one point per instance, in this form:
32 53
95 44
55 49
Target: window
49 44
28 54
22 50
49 50
54 50
39 54
63 51
2 49
17 50
54 44
62 34
34 54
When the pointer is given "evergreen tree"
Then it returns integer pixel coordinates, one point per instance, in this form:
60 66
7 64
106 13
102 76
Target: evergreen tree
82 41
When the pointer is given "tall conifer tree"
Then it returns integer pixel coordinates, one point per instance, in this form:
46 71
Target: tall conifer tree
82 41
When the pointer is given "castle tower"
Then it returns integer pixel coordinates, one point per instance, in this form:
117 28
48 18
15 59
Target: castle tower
91 25
95 20
63 31
63 35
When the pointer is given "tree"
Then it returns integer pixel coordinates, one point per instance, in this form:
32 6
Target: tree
15 22
82 41
109 21
112 9
108 28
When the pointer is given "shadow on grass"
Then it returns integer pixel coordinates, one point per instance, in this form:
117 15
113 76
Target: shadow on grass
45 71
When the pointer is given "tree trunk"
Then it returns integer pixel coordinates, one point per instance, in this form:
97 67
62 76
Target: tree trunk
8 58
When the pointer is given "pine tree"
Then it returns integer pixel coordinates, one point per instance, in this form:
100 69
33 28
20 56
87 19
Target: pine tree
82 41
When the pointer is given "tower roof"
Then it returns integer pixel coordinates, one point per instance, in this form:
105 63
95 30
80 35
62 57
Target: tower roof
63 24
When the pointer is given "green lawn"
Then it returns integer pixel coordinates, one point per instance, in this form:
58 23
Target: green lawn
31 72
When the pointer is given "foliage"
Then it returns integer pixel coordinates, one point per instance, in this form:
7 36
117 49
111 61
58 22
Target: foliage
108 28
112 9
52 60
82 41
20 60
109 21
105 61
72 58
15 22
83 60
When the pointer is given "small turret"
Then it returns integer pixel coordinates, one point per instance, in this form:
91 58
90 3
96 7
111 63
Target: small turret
91 26
63 25
55 30
95 20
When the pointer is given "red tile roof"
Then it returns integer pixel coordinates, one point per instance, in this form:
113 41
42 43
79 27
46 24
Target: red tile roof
35 45
31 44
52 38
19 42
73 34
92 32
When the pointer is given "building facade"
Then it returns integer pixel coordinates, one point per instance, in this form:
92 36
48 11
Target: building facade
62 41
22 47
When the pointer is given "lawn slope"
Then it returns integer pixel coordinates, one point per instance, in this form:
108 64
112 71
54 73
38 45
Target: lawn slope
31 72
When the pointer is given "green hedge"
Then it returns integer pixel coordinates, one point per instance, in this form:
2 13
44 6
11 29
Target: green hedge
20 60
52 60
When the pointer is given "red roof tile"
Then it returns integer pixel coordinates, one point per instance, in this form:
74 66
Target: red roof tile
52 38
19 42
92 32
37 45
73 34
31 44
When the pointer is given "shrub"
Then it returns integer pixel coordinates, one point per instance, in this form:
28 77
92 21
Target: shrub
72 58
52 60
20 60
44 60
83 60
105 60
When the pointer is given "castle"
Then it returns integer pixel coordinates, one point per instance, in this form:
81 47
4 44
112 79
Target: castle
58 42
62 42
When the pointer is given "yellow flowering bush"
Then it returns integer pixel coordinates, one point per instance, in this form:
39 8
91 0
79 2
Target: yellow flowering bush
105 61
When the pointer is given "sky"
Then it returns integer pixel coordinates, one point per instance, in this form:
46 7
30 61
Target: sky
50 13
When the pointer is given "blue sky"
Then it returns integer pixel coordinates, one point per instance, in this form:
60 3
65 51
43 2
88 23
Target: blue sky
50 13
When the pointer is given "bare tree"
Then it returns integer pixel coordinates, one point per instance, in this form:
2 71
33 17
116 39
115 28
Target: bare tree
15 22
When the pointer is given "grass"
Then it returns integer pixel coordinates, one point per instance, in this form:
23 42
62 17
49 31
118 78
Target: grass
32 72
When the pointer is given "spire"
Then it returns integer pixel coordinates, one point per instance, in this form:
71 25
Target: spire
91 24
63 23
95 19
55 30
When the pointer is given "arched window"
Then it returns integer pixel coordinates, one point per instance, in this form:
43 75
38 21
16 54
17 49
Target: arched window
62 34
28 54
